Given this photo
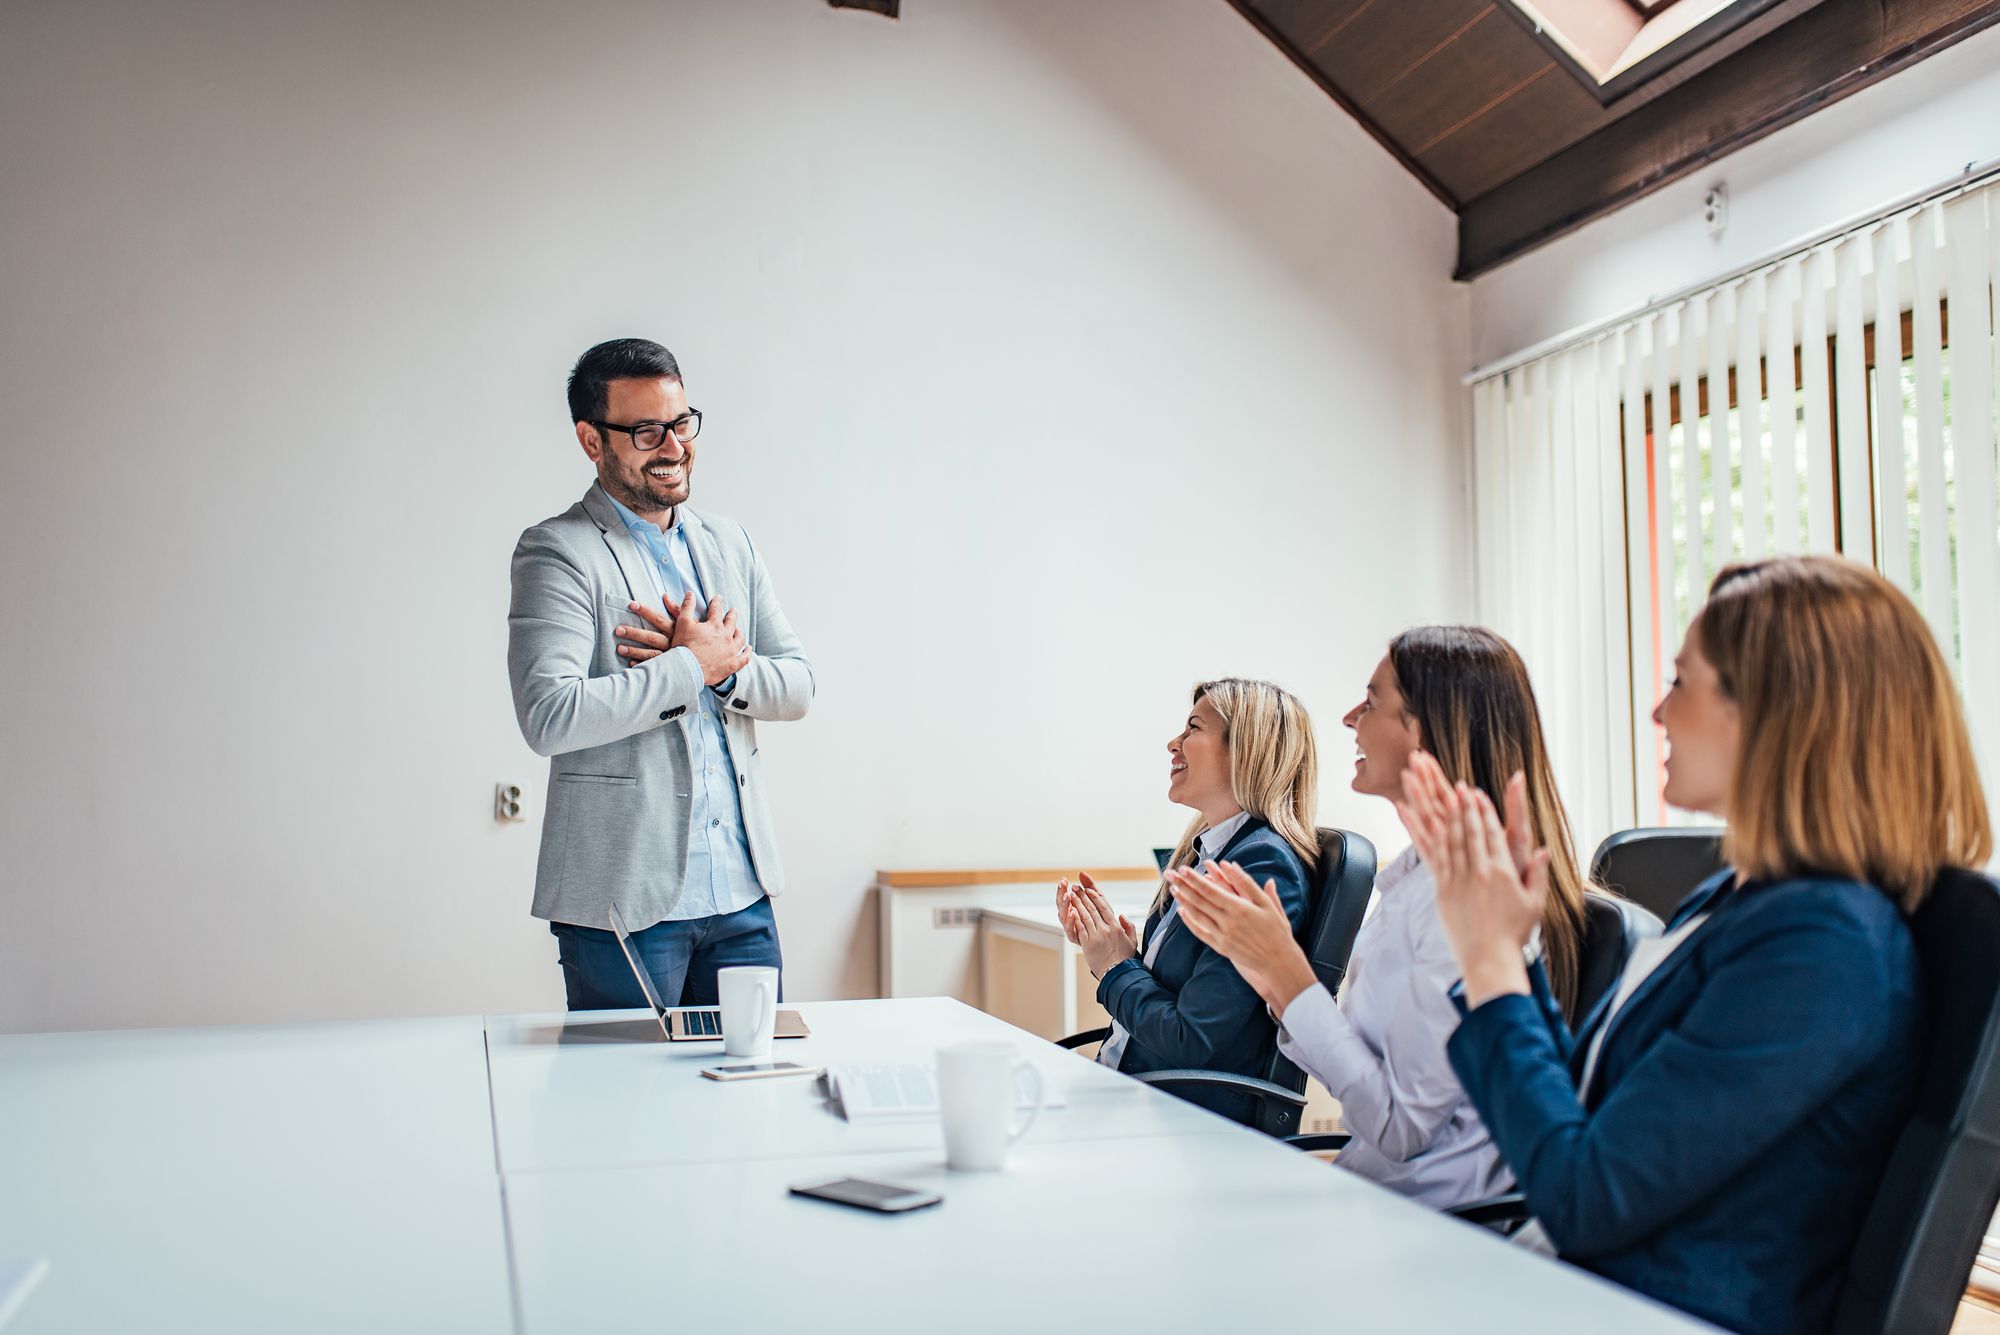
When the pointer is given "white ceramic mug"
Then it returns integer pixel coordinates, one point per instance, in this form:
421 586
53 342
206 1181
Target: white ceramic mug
749 996
979 1087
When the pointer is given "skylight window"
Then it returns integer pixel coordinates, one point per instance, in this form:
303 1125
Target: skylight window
1615 46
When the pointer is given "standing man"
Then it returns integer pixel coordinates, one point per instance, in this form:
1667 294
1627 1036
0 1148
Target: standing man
644 640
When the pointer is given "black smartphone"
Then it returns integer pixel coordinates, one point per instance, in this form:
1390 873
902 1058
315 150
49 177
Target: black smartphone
864 1195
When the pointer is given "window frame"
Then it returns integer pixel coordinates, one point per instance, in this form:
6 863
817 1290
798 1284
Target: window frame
1656 511
1723 33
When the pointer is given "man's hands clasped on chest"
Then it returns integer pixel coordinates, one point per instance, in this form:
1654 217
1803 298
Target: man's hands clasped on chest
715 639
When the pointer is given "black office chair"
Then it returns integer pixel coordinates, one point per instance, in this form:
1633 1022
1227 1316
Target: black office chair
1612 928
1656 868
1342 883
1937 1196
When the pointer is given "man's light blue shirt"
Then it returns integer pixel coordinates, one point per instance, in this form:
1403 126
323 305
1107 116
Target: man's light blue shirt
720 876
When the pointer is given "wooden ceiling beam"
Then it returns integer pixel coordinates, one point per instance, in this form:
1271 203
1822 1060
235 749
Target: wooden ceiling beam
1278 39
1826 54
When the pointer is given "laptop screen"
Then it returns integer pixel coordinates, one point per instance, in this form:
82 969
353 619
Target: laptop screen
632 958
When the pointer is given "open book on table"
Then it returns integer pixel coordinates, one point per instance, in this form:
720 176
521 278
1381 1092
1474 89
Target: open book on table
907 1093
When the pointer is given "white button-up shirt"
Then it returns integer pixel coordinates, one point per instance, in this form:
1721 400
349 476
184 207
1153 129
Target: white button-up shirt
1380 1051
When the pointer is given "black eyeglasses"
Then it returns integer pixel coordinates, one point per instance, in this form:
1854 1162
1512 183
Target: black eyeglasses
652 435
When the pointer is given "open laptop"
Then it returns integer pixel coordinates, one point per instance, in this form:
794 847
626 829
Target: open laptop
687 1024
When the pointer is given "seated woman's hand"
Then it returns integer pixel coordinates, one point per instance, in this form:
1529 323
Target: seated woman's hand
1491 883
1065 893
1246 924
1103 935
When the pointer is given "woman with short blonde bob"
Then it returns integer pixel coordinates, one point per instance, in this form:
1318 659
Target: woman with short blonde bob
1246 763
1460 693
1713 1133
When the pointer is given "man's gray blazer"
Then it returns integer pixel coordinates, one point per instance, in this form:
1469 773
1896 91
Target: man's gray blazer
619 776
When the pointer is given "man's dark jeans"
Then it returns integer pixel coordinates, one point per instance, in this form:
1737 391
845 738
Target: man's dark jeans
682 957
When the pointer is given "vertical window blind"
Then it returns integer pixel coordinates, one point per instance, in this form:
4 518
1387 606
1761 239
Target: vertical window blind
1840 398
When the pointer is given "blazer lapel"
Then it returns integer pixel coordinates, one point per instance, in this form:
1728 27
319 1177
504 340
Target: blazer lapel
1146 943
1249 828
1580 1041
717 578
631 561
1705 899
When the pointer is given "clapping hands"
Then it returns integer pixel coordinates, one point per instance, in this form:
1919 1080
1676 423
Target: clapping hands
1246 924
1090 923
1492 882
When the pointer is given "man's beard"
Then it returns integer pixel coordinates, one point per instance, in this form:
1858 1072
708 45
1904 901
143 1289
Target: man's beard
644 495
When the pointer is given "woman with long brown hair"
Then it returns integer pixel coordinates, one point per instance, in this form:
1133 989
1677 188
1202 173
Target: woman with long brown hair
1713 1135
1460 693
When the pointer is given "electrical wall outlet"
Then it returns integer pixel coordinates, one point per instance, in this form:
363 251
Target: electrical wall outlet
508 806
1715 210
966 917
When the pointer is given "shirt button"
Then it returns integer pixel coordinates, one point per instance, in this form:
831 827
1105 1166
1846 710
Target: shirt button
715 824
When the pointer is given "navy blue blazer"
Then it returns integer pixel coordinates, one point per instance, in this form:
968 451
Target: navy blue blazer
1745 1101
1192 1010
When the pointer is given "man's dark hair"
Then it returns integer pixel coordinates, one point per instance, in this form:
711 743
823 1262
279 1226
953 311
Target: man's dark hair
619 359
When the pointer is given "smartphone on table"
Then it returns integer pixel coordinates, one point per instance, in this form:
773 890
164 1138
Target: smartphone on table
883 1197
757 1070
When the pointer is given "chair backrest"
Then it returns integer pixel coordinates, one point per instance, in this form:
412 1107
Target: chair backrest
1342 884
1612 927
1937 1196
1655 868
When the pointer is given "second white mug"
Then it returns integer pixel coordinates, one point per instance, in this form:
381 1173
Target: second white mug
979 1087
749 996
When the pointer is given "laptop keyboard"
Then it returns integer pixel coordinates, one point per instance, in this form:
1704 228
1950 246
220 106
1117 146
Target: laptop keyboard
706 1022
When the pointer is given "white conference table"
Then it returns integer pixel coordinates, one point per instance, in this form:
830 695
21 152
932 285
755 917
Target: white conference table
297 1178
606 1093
536 1174
1195 1233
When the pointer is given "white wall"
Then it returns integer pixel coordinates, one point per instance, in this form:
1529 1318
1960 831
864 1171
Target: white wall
1904 134
1056 355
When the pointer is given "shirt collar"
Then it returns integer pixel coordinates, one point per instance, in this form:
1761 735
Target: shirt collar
1210 842
1405 865
636 524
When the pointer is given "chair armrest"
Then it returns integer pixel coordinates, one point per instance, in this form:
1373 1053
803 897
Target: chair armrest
1504 1212
1263 1091
1087 1036
1318 1140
